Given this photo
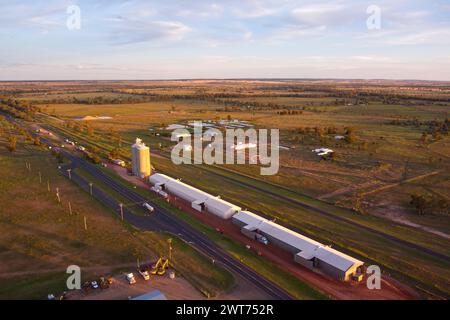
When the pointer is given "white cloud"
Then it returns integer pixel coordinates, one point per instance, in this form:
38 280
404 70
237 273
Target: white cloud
138 31
321 14
432 36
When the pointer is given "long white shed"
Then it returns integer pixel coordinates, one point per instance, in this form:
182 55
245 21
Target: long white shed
200 200
306 251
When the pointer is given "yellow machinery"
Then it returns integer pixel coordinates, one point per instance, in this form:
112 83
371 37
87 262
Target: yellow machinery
164 266
156 266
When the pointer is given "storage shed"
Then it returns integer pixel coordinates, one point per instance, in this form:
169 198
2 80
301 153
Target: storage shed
306 251
200 200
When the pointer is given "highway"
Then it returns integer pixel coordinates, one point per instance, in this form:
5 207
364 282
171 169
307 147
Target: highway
163 220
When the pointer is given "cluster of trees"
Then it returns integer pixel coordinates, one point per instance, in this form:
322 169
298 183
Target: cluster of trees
99 100
18 108
93 155
114 154
349 132
14 133
432 126
238 105
436 129
426 203
80 127
289 112
114 136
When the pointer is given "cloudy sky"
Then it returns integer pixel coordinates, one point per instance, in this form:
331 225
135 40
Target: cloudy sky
173 39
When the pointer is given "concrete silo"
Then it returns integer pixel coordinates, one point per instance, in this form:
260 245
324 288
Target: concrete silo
140 159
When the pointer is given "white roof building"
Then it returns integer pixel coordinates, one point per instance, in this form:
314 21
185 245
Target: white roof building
302 247
197 198
322 151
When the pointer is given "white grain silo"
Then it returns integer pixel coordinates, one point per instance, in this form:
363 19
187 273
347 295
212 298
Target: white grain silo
140 159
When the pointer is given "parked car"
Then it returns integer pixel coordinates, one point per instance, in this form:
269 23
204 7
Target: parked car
130 278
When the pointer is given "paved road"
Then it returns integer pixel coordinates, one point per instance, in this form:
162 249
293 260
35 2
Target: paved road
163 220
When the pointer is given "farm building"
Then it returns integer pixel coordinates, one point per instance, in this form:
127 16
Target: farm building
200 200
306 251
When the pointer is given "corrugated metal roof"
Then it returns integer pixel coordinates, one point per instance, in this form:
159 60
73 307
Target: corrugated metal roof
213 204
248 218
308 248
336 258
181 189
221 207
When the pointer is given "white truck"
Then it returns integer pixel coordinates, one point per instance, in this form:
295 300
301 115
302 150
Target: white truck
130 278
148 207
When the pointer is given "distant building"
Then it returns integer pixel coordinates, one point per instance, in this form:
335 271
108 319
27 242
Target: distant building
140 159
322 151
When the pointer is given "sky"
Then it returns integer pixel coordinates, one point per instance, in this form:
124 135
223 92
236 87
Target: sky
179 39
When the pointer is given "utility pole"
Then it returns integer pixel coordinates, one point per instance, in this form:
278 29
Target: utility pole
121 210
70 176
85 223
90 187
57 195
48 186
169 241
70 209
40 177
